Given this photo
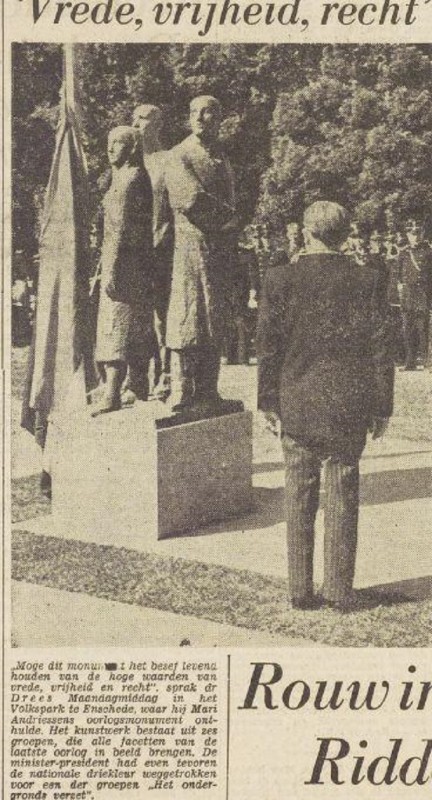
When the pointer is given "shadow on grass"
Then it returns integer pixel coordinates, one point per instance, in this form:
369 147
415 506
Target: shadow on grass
267 504
278 466
238 597
394 486
376 488
410 589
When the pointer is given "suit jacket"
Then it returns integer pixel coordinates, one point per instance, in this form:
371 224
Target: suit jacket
378 263
324 362
415 275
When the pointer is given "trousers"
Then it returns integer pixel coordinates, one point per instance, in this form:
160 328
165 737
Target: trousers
415 328
303 469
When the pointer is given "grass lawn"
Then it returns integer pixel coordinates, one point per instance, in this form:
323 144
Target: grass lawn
238 597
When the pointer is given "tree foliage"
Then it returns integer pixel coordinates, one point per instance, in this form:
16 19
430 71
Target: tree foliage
351 123
35 95
358 132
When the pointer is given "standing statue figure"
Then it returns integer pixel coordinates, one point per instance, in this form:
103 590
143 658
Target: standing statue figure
148 120
125 316
201 193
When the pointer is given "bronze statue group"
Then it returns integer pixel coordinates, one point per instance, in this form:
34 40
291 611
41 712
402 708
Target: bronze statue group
324 340
170 233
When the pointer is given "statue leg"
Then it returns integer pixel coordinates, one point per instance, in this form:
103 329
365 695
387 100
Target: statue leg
162 374
231 341
115 372
140 351
207 375
243 339
163 265
137 382
157 360
182 385
410 336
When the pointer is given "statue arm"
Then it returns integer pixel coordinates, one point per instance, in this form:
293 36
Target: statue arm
182 186
188 195
232 225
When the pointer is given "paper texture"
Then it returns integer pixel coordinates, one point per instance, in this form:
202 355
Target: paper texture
137 667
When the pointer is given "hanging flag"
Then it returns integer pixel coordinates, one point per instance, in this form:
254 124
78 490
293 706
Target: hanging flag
61 361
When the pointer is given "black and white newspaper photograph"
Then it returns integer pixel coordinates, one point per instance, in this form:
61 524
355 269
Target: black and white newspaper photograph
216 413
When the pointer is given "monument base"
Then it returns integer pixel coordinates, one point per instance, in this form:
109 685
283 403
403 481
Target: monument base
142 469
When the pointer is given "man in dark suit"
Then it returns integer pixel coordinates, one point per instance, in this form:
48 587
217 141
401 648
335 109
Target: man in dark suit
415 293
325 378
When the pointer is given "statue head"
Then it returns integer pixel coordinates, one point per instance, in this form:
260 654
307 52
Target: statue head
326 222
123 146
148 120
205 117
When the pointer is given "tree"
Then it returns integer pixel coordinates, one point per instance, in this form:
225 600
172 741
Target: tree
351 123
358 132
114 78
35 92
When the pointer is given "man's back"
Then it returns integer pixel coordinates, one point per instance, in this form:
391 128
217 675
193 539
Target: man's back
323 351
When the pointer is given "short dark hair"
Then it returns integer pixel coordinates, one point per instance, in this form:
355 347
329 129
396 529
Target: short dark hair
329 222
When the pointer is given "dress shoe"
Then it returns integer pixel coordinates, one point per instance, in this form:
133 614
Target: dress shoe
308 603
356 600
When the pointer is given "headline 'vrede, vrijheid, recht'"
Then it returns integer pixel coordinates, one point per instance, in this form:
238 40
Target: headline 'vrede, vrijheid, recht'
205 16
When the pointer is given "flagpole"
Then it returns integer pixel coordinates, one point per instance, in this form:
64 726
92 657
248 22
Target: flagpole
69 60
71 96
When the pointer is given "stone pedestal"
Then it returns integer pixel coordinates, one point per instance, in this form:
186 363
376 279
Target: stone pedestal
139 469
